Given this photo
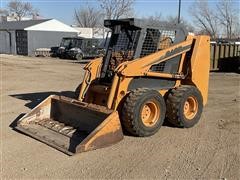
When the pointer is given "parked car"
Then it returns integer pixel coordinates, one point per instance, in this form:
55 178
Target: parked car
79 48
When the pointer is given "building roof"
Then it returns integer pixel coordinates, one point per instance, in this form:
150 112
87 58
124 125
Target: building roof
37 25
20 25
51 25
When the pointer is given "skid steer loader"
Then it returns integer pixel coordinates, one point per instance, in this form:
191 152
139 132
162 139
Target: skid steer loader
149 74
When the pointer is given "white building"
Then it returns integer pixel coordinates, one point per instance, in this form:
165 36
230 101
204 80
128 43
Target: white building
24 37
99 33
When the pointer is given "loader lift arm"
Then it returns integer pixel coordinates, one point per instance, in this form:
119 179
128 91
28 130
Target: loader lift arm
142 66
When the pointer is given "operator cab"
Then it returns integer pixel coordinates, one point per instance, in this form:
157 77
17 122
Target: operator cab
134 38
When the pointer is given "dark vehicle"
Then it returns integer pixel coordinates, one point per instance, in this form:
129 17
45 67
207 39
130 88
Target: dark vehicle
54 51
79 48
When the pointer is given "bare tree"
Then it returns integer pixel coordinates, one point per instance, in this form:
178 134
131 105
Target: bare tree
158 20
114 9
88 17
154 20
204 18
227 15
173 20
20 9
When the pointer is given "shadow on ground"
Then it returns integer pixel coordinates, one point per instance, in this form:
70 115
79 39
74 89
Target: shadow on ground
229 64
35 98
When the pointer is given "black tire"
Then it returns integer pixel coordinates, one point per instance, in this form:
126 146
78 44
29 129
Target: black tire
132 118
79 56
176 103
61 56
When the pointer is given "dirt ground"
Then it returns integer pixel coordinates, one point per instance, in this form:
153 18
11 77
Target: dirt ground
208 150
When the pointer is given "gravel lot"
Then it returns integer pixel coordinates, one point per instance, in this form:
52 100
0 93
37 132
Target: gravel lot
208 150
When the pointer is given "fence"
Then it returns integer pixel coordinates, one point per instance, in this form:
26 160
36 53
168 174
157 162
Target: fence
224 55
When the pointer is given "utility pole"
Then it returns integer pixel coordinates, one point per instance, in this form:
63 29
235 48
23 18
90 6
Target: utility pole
179 11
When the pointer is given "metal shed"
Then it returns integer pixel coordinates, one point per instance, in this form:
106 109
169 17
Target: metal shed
24 37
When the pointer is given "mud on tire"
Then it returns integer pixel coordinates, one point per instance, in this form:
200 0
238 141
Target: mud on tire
184 106
143 112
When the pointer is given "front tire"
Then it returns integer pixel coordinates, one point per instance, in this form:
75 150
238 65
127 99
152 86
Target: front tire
184 106
143 112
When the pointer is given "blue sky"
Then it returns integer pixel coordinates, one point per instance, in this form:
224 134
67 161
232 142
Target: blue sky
63 9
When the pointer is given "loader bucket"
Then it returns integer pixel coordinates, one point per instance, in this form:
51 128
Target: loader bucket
71 126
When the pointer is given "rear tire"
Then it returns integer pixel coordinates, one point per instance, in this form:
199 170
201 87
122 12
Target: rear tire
79 56
184 106
143 112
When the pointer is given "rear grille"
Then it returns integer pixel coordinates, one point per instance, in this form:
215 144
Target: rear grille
166 40
150 43
157 39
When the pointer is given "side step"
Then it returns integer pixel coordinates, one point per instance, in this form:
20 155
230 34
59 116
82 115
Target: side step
72 126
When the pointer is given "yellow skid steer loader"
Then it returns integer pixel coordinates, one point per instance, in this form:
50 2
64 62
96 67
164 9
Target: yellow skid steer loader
149 74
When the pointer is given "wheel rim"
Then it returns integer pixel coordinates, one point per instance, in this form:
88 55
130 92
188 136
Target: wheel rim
150 113
79 57
190 108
